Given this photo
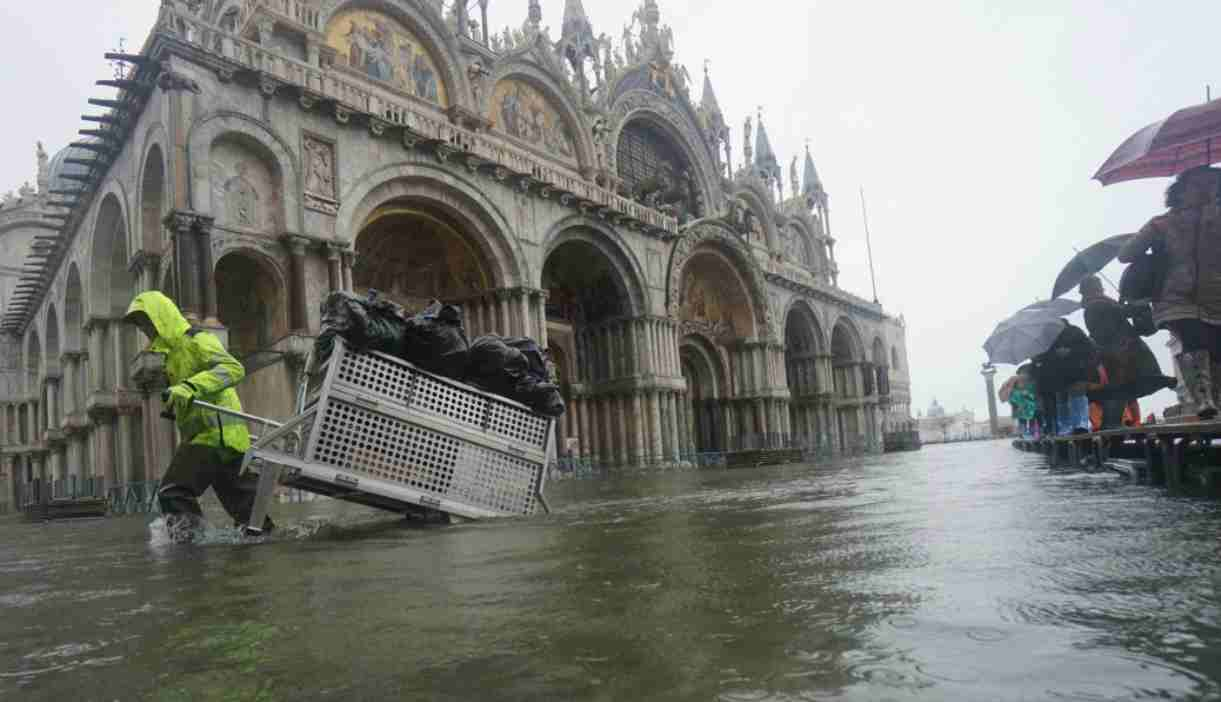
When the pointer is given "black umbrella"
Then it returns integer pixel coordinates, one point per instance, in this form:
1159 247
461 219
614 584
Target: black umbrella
1087 263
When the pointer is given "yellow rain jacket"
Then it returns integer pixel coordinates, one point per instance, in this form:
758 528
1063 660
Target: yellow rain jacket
197 359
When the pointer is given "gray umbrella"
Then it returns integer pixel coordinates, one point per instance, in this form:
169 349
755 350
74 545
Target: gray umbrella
1029 332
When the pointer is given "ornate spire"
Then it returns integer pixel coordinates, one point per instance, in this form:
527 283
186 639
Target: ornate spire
534 15
765 158
708 100
811 185
576 23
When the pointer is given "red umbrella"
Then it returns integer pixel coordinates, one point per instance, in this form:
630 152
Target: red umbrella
1188 138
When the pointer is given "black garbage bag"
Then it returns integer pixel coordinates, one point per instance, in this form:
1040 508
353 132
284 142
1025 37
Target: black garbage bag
435 341
370 323
514 368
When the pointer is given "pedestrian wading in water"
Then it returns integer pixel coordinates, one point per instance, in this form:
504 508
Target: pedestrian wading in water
1187 291
213 444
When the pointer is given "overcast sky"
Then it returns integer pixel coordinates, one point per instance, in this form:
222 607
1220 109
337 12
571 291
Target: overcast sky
974 128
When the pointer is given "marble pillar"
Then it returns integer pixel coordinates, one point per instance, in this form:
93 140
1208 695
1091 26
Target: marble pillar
334 268
298 302
125 468
639 432
104 429
97 369
657 447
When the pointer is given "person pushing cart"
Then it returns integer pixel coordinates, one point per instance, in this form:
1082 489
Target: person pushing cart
212 443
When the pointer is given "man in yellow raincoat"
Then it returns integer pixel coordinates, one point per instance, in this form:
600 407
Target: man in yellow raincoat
213 444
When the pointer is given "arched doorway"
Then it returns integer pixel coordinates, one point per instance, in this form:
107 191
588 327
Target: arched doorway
704 374
251 304
53 395
152 202
589 324
846 359
803 351
413 254
112 288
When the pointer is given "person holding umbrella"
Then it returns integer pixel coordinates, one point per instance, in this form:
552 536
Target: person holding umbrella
1131 368
1187 295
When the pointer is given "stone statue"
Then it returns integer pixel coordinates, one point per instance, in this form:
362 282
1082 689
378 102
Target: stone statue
747 150
629 47
25 190
793 176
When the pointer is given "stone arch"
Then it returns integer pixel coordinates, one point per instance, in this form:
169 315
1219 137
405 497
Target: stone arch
807 258
803 344
153 201
681 130
33 363
251 134
717 237
703 371
559 96
460 200
760 205
53 335
251 302
430 29
610 244
111 282
846 344
74 310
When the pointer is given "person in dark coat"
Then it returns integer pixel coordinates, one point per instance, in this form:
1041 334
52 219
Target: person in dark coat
1188 300
1064 374
1132 369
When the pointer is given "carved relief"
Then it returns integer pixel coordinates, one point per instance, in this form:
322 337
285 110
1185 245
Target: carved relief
384 50
522 111
245 193
320 170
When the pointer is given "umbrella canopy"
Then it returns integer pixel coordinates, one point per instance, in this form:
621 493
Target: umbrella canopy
1087 263
1188 138
1029 332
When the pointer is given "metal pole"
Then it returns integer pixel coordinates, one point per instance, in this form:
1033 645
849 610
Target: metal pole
869 246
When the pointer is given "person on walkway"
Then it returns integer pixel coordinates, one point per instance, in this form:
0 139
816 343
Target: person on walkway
1063 375
1132 371
1187 300
212 444
1022 395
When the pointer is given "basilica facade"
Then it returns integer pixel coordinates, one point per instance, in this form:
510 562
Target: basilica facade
576 188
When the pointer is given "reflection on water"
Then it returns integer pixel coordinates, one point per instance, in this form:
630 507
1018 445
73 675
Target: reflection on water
963 572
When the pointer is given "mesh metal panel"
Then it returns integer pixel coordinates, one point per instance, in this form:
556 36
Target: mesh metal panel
390 379
362 441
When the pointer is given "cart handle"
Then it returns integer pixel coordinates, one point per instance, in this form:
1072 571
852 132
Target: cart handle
235 413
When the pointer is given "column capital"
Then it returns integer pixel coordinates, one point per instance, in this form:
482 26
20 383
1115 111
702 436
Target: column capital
296 244
334 250
188 222
144 260
97 322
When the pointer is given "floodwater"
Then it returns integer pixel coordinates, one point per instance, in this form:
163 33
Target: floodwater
963 572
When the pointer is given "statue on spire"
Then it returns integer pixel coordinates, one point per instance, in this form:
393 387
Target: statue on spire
747 149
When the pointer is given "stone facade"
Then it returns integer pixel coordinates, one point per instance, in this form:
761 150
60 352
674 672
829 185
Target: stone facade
260 154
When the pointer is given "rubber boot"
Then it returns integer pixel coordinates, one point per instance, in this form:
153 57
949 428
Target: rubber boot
1198 377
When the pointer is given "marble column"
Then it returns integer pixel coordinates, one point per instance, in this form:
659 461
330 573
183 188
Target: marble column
620 430
183 226
587 437
656 448
104 429
348 261
97 371
639 433
299 302
53 408
125 469
203 239
334 268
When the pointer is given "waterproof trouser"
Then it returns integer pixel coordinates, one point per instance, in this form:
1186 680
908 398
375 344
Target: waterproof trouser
1197 370
196 468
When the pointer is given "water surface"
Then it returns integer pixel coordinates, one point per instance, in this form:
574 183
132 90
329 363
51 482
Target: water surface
963 572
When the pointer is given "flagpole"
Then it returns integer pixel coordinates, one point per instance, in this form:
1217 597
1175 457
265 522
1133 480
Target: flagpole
869 246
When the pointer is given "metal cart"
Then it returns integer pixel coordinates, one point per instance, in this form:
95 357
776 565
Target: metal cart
376 430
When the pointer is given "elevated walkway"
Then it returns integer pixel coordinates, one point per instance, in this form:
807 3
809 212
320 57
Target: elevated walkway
1178 456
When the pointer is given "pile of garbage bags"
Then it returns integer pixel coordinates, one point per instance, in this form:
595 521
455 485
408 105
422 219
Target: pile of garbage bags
434 340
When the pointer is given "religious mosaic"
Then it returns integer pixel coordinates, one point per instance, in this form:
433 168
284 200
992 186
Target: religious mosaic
384 50
705 308
522 111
